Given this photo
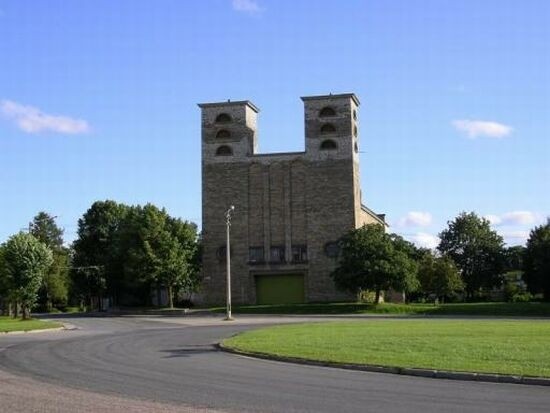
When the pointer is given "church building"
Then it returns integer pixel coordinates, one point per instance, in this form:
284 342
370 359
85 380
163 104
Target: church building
290 208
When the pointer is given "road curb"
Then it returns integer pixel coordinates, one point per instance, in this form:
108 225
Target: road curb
406 371
42 330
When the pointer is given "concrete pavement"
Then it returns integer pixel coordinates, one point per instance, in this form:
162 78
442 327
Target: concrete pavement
174 360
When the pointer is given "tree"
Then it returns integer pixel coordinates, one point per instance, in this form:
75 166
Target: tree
371 260
171 264
4 283
44 229
125 251
98 258
537 261
477 250
164 251
513 258
26 260
55 285
439 276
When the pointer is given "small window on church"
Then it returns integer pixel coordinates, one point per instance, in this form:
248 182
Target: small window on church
224 151
354 114
328 145
224 133
256 255
355 130
327 128
277 255
299 253
223 118
327 112
221 253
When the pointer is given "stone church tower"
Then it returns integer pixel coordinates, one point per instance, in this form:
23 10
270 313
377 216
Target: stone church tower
290 208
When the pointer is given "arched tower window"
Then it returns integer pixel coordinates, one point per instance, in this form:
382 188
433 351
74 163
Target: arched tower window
224 133
328 144
224 150
327 128
223 118
327 112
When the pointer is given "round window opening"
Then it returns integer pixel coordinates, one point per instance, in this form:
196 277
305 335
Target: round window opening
328 145
332 249
224 151
221 253
327 112
223 118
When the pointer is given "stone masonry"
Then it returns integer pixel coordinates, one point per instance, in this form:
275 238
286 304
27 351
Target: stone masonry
290 208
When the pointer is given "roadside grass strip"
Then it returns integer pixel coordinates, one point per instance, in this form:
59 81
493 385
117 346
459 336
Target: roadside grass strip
8 325
519 348
479 309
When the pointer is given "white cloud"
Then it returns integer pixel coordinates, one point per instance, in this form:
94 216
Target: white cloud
519 218
32 120
424 240
246 6
493 219
415 219
514 218
515 237
475 128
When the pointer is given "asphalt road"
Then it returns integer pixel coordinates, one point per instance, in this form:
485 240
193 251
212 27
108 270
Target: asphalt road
174 360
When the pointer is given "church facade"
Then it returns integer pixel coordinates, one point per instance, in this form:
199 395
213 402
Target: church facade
290 208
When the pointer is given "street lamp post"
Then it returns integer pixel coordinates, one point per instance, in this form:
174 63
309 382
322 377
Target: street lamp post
228 261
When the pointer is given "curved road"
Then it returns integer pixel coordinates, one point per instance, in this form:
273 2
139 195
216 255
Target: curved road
174 360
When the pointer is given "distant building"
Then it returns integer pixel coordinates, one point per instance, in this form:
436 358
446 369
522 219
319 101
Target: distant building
290 208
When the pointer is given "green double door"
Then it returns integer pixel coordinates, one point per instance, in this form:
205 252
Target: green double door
280 289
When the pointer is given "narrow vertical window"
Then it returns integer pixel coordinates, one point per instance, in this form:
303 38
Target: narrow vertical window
277 255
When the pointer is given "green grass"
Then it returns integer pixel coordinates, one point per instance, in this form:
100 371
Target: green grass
481 309
8 324
498 346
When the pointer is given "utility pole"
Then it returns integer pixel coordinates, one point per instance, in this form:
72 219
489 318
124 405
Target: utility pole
228 262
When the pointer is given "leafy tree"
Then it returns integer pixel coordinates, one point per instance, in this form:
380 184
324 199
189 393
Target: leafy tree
55 285
124 251
44 228
537 261
439 276
26 260
4 283
477 250
164 252
98 260
171 263
371 260
513 258
412 251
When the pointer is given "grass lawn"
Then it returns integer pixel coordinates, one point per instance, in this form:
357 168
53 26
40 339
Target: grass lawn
9 324
500 346
482 309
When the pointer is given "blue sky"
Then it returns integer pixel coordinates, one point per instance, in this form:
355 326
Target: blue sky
98 101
